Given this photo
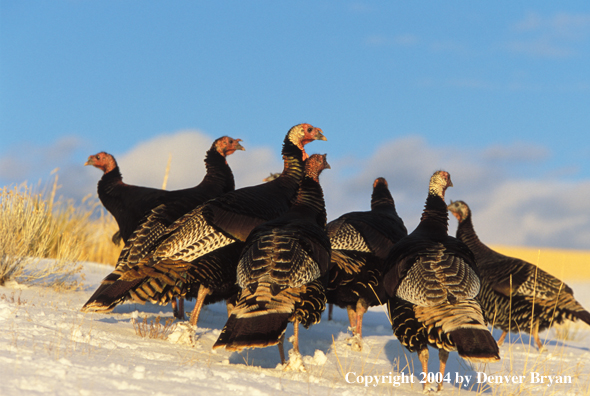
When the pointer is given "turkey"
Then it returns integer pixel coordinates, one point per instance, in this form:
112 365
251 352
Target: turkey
280 273
171 254
130 204
516 295
360 242
432 282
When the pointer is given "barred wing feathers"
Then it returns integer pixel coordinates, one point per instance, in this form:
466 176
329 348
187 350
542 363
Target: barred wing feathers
288 258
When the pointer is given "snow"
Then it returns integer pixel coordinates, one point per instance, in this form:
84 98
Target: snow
47 346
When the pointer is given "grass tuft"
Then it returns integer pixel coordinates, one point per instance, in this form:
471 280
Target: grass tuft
569 331
13 300
154 329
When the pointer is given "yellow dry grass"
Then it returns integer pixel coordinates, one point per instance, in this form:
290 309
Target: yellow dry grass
36 225
567 265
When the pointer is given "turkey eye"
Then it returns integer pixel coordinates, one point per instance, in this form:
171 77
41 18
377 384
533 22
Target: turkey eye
309 129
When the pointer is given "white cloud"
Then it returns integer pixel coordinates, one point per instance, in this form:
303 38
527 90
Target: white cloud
412 40
564 25
506 209
448 46
406 40
531 21
32 161
534 213
556 36
360 7
542 47
146 163
401 40
518 152
519 84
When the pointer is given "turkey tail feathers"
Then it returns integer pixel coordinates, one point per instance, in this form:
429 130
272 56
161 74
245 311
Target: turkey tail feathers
476 345
583 316
109 295
252 332
260 317
258 320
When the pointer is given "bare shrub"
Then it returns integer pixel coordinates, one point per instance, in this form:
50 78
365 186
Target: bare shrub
153 328
12 299
36 226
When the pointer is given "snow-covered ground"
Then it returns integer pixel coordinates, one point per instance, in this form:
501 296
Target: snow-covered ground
47 346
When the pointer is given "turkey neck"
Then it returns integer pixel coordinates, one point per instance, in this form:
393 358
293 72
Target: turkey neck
108 182
466 234
218 171
381 200
293 170
435 217
309 202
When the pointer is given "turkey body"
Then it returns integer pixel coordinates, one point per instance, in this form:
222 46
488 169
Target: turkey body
516 295
360 243
182 256
127 203
432 283
281 272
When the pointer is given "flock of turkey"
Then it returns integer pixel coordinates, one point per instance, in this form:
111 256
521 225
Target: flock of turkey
268 251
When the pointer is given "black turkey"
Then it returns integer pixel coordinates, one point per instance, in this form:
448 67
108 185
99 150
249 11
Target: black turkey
132 208
516 295
360 243
280 273
432 283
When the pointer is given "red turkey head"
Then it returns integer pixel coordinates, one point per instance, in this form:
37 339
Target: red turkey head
302 134
226 145
102 161
380 180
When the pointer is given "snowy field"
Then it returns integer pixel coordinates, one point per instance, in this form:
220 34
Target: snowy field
47 346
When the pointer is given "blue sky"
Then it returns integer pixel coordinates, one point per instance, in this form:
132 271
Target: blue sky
498 93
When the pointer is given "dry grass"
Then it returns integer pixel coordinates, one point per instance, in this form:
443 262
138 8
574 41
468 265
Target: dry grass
12 299
154 329
99 246
569 331
34 226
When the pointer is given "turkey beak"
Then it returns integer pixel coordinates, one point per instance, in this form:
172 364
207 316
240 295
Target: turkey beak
90 161
318 134
239 146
